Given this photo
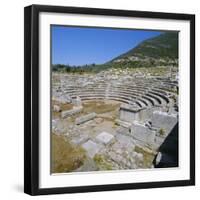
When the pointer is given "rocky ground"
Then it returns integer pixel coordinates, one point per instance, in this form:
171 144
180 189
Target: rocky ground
89 122
101 145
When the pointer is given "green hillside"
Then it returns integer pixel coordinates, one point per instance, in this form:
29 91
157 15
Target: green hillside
162 46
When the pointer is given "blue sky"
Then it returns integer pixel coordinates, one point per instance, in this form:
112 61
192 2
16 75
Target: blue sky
79 45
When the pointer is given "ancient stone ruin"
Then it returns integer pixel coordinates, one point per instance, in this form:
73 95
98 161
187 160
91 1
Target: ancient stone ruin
140 113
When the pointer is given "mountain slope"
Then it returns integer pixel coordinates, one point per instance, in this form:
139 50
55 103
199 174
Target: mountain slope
162 50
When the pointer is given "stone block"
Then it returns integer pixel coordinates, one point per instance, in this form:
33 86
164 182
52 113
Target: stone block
68 113
56 108
81 139
85 118
129 113
143 133
92 148
123 123
164 120
104 137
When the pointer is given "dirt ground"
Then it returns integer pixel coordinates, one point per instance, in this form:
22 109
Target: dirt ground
66 157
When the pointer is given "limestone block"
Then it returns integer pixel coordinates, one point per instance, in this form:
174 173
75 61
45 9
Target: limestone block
81 139
56 108
129 113
104 137
143 133
123 123
68 113
164 120
85 118
92 148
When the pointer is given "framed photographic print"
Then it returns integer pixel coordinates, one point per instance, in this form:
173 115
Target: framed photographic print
109 99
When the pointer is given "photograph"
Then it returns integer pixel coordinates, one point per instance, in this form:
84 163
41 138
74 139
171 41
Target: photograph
109 99
114 99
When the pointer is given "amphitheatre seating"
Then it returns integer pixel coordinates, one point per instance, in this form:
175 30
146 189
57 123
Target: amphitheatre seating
140 92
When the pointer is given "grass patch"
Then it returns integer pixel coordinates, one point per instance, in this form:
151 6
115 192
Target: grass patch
162 132
66 157
148 157
102 163
99 107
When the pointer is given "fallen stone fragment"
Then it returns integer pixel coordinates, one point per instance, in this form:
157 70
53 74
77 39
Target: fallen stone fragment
68 113
123 123
56 108
85 118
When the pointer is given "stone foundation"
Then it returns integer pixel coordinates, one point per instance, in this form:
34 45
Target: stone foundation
143 133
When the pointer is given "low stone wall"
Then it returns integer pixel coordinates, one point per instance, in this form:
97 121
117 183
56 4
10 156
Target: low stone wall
68 113
85 118
123 123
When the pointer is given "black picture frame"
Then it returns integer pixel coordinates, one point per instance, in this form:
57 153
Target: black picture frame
31 98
